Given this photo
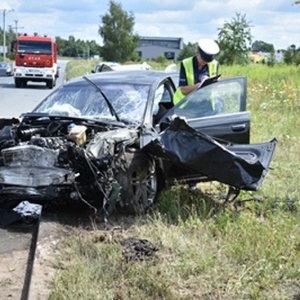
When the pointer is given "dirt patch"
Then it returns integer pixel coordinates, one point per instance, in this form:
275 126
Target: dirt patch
14 250
12 274
43 269
15 256
53 228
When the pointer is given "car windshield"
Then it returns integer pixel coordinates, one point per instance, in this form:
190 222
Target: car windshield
82 100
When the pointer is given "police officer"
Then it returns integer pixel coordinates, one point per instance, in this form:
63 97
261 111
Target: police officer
195 69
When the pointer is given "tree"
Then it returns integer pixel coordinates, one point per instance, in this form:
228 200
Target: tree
235 39
70 49
187 51
10 37
61 44
94 48
116 31
291 55
75 48
263 47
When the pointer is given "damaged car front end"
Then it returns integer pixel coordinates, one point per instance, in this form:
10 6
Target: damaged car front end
98 140
54 168
78 146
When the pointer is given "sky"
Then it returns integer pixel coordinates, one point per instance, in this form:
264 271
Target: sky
275 22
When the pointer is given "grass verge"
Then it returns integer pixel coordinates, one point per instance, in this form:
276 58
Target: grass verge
208 250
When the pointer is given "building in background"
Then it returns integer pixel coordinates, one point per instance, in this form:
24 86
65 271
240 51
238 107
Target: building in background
153 47
279 55
259 57
265 57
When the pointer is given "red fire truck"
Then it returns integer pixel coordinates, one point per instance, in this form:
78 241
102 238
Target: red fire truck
35 60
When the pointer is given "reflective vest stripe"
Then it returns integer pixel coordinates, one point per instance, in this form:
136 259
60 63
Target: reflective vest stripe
189 72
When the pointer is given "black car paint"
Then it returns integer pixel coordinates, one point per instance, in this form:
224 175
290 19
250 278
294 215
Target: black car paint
241 166
90 168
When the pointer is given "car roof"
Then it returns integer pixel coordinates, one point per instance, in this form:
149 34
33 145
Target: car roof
130 76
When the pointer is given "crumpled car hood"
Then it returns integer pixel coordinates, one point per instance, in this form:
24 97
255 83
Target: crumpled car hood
240 166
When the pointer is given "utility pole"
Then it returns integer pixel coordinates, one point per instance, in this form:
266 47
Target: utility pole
10 31
5 12
16 28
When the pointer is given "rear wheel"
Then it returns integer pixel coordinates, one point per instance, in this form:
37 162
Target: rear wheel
140 183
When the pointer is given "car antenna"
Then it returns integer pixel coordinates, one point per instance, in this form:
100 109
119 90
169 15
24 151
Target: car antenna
112 110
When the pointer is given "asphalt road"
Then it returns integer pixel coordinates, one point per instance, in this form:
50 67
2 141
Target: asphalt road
15 101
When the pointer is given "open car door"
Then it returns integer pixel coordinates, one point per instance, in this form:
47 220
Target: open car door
206 136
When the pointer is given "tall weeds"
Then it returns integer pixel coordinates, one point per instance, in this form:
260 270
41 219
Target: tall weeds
246 250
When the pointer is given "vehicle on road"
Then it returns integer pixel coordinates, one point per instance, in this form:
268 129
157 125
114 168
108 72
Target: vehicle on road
104 66
35 60
5 69
116 138
114 66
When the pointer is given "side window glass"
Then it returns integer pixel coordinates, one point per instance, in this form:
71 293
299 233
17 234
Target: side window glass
157 99
162 102
227 98
215 99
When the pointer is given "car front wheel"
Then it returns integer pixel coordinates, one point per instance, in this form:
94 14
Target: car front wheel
50 84
140 183
18 82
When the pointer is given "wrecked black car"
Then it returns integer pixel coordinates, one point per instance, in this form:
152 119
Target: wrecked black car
116 138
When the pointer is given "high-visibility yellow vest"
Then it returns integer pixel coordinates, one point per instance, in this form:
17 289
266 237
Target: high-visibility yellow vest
189 71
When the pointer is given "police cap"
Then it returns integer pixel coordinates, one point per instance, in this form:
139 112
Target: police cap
208 48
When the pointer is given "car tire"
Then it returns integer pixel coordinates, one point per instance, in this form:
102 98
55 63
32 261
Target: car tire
140 183
18 82
50 84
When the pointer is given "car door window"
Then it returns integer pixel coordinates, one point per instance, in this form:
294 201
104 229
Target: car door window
162 101
218 109
223 97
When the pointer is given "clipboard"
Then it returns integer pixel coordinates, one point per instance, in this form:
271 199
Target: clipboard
209 80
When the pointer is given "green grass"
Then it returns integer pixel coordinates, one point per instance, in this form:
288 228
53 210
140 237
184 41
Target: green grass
209 250
79 68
